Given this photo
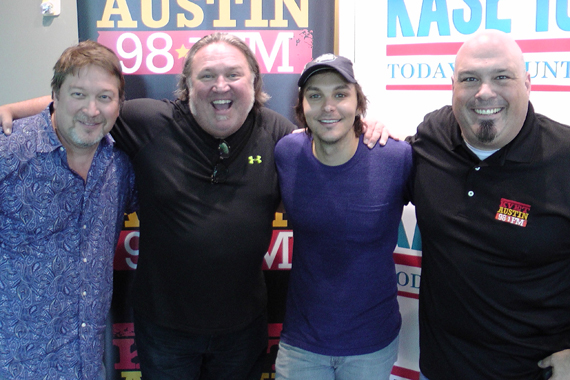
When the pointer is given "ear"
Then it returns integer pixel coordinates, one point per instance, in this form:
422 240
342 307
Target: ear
527 83
55 99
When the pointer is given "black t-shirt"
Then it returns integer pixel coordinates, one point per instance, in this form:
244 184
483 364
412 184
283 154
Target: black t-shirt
495 287
201 244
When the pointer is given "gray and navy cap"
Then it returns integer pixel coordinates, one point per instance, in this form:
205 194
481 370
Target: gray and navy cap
328 61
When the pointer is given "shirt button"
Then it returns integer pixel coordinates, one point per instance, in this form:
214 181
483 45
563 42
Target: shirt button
84 226
84 293
83 324
470 193
85 259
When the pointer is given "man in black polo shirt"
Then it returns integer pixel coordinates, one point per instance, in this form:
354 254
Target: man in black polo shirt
492 197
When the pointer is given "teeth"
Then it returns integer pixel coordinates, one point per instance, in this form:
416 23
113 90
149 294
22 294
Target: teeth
330 121
89 123
487 111
221 101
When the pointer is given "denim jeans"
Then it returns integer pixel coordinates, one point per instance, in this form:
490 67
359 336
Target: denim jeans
294 363
168 354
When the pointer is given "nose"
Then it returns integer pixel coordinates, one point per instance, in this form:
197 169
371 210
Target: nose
220 85
485 91
91 108
328 105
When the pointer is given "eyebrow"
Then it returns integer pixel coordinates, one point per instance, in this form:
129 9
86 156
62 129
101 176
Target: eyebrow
229 68
339 87
476 71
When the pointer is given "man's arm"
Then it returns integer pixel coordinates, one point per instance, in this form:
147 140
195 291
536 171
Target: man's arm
12 111
560 363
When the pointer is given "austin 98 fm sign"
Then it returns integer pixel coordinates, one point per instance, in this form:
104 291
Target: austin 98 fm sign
152 38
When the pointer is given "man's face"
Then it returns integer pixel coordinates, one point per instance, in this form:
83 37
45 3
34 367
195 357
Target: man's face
221 89
490 92
86 108
330 106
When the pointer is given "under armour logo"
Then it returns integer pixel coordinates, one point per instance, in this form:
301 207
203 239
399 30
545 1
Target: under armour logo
254 160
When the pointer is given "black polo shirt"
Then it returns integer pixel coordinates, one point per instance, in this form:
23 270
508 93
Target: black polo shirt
495 288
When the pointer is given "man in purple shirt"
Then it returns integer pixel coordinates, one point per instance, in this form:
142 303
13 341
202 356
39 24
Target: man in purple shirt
64 189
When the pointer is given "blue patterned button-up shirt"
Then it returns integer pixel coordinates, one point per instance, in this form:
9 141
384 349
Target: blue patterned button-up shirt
58 235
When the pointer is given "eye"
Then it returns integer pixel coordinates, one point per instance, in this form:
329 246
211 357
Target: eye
105 98
341 95
469 79
500 77
77 94
314 96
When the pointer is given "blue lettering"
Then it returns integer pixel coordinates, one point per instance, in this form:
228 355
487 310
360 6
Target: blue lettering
567 63
562 18
528 70
535 68
412 70
437 15
406 279
471 26
491 19
397 11
439 71
553 71
542 8
416 281
402 237
394 66
420 70
417 242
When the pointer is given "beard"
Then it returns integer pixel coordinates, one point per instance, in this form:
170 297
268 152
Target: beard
487 131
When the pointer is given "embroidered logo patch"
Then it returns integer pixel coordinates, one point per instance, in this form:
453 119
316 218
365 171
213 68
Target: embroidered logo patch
253 160
513 212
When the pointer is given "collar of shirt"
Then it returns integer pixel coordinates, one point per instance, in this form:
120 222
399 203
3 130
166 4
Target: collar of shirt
521 149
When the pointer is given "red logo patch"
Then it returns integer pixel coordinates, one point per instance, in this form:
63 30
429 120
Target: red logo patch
513 212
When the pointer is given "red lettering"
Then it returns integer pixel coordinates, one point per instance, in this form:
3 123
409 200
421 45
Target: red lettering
126 354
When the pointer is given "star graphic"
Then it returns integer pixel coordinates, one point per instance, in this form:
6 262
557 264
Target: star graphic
182 51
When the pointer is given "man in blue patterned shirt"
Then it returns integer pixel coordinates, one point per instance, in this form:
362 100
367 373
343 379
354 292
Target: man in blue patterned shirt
64 189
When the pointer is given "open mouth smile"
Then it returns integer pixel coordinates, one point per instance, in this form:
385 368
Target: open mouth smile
222 105
487 111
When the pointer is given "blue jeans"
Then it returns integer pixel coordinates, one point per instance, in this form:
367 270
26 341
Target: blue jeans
168 354
294 363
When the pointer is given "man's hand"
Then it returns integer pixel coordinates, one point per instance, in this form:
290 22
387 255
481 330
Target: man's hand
5 120
376 131
560 363
25 108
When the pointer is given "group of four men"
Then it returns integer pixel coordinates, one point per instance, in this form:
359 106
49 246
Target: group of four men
494 297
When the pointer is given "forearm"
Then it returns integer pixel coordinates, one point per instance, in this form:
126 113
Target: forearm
25 108
28 107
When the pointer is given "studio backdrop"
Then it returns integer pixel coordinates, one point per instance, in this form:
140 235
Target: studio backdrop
403 52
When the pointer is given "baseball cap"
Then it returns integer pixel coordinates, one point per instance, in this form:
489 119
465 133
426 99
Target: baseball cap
328 61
